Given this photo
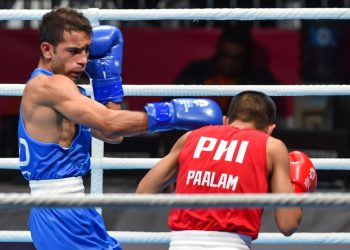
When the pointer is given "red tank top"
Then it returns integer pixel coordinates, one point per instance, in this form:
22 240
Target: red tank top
221 159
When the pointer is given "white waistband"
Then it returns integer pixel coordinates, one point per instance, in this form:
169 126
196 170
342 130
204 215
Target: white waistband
70 185
205 239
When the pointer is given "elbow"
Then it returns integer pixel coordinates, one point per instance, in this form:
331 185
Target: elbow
110 135
288 231
115 140
289 226
288 223
119 140
107 137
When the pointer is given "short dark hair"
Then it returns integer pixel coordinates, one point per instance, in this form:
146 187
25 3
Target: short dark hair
253 106
55 22
238 33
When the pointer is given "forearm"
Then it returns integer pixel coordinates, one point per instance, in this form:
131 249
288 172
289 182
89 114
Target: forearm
153 186
146 186
144 189
125 123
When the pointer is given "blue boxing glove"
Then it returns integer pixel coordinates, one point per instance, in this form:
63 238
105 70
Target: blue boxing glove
182 114
105 64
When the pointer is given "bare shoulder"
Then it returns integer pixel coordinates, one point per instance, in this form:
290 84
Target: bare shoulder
184 137
276 152
180 142
45 88
275 145
48 83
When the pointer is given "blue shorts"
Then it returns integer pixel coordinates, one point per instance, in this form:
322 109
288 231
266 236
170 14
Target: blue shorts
69 229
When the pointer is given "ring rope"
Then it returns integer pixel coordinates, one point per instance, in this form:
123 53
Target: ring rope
164 237
176 200
147 163
192 14
10 89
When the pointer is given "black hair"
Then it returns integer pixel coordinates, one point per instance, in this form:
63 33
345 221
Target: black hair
55 22
253 106
238 33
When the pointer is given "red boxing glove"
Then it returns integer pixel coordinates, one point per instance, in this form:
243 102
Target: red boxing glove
302 172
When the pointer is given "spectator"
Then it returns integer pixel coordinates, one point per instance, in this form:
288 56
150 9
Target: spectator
231 64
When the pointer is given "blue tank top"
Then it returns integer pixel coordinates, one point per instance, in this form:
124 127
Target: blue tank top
42 161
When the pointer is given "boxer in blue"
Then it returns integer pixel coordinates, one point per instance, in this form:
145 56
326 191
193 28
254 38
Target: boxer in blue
57 121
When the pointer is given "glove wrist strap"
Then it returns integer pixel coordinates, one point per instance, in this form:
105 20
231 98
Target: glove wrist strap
106 90
159 116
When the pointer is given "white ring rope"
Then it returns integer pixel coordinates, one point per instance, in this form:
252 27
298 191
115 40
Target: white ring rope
146 163
208 90
164 237
192 14
231 90
124 200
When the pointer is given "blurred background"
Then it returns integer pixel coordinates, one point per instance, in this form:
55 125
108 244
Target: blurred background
158 52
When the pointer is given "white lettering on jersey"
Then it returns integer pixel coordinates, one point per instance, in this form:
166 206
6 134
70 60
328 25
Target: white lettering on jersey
190 175
27 173
24 143
232 181
198 178
212 180
208 144
222 149
222 181
200 146
206 178
241 151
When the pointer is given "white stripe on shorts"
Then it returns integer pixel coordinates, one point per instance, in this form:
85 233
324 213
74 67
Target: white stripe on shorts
205 240
70 185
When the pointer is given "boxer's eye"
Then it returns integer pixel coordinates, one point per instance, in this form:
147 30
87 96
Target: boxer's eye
75 51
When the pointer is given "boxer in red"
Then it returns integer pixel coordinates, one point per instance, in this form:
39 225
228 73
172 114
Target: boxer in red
239 157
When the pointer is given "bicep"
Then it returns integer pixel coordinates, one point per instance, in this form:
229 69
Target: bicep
280 177
63 95
81 109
